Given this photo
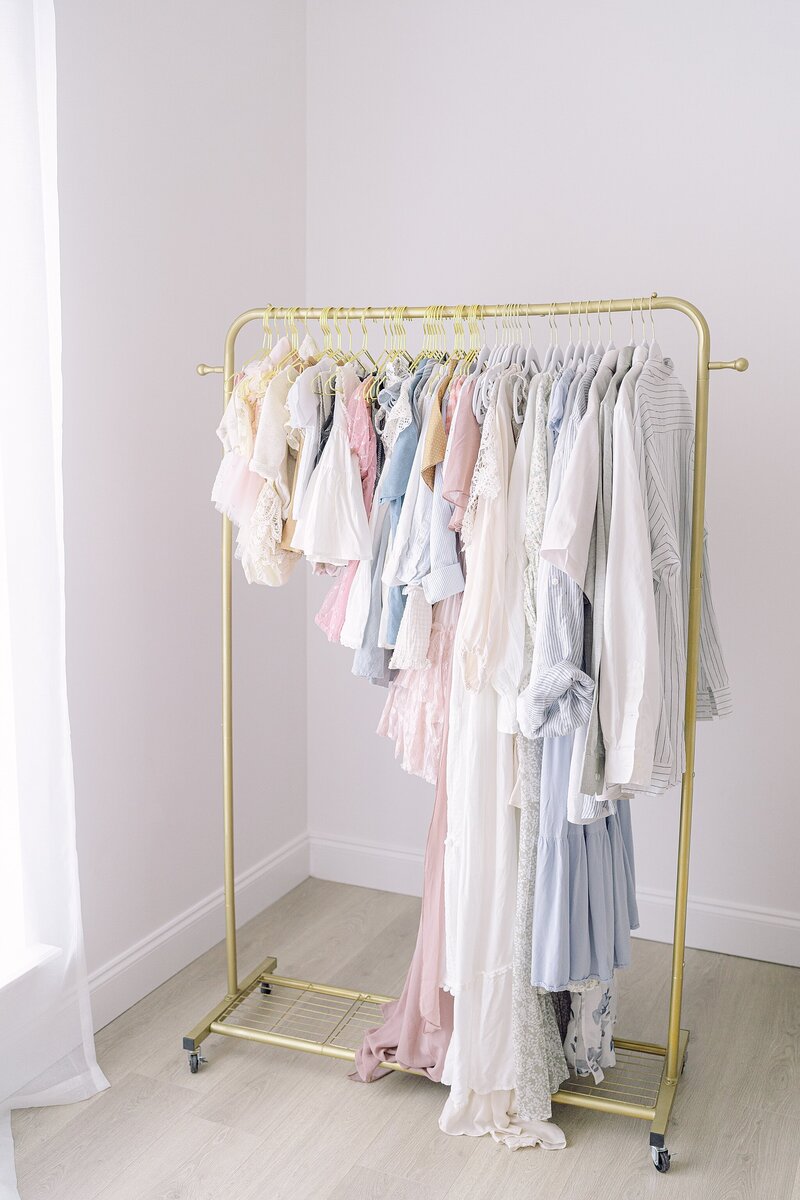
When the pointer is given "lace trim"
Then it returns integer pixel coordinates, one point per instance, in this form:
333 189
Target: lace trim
263 557
399 418
574 985
249 388
485 477
266 523
476 980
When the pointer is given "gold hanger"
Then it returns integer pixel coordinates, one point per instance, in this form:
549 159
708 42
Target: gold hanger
268 333
380 365
338 352
290 329
365 347
423 350
404 333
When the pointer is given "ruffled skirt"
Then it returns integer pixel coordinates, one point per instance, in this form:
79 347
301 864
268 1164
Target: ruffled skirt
413 716
236 488
584 906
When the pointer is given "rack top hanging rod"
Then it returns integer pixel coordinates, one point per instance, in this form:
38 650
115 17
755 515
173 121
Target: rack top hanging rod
561 308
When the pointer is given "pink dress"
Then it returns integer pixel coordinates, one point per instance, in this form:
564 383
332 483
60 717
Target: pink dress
414 712
417 1028
236 489
361 434
463 442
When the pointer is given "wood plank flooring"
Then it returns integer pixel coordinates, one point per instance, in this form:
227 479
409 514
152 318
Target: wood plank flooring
259 1121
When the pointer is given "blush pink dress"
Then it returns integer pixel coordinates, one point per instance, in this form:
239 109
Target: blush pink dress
416 705
361 434
463 443
418 1026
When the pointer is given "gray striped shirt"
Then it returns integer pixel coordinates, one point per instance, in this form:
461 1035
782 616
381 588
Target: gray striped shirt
664 444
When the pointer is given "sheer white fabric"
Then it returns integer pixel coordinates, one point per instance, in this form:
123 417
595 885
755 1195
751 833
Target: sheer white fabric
481 844
508 674
46 1044
358 601
333 527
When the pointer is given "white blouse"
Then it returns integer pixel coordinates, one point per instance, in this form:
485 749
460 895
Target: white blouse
332 527
303 403
630 673
508 674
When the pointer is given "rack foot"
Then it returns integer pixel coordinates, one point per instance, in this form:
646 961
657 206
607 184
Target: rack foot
661 1158
666 1098
196 1061
193 1040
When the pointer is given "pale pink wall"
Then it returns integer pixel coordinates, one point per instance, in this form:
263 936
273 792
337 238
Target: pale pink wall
181 188
529 151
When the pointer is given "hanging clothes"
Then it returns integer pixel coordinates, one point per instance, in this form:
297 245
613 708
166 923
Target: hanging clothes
332 526
361 435
480 856
418 1026
510 545
235 488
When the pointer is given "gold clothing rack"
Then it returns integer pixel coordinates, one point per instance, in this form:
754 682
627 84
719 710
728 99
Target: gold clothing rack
300 1015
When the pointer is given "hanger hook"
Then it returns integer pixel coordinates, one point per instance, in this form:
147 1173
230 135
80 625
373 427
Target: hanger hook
652 322
267 343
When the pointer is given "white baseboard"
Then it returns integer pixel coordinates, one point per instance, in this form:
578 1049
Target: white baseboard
131 975
769 934
772 935
365 864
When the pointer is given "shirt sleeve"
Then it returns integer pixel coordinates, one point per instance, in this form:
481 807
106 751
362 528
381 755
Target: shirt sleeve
630 673
446 577
478 634
568 529
270 457
713 687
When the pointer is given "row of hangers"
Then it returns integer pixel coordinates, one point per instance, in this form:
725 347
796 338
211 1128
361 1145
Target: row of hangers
470 345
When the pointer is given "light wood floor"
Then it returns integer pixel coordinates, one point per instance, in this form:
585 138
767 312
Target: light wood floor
260 1122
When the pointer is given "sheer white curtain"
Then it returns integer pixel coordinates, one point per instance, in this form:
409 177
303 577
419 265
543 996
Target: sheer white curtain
46 1043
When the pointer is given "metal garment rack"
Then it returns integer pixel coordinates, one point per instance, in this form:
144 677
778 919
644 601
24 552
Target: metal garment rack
300 1015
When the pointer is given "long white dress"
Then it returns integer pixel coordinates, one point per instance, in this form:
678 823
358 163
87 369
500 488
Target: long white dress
481 845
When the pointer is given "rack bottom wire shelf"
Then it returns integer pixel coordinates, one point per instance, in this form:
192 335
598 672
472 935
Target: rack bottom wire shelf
331 1021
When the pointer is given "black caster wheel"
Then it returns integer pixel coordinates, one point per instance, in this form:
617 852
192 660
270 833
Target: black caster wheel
266 988
683 1064
660 1157
196 1060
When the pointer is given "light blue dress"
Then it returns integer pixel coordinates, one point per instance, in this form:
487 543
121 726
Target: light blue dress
395 482
584 905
